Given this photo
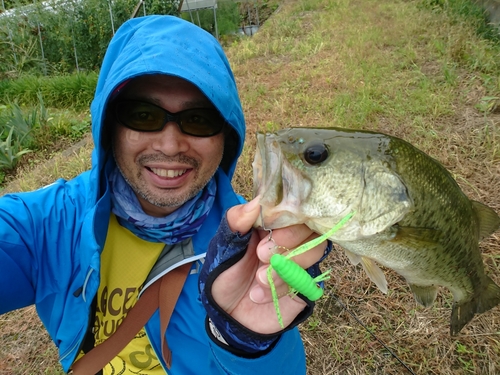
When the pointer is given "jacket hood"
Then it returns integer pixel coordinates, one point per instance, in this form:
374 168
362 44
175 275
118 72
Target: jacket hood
171 46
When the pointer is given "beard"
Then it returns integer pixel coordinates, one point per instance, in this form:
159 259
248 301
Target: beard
168 197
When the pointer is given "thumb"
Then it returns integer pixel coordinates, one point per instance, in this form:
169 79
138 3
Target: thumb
241 218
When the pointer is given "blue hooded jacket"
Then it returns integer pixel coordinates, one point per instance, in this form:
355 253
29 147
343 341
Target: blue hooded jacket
51 239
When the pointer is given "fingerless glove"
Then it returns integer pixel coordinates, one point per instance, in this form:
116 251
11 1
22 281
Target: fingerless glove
224 250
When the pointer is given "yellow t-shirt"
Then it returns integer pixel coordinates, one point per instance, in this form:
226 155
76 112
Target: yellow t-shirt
125 263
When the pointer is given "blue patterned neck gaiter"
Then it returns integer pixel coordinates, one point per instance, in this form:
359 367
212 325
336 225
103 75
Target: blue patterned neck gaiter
181 224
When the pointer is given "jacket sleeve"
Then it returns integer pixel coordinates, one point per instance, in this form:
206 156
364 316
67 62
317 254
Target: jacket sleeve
18 265
16 282
34 261
286 357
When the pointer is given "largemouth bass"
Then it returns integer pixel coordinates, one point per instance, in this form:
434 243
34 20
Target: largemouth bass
410 215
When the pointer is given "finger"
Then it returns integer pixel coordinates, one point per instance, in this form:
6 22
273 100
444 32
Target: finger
311 256
267 248
281 240
231 283
289 237
263 281
240 218
261 293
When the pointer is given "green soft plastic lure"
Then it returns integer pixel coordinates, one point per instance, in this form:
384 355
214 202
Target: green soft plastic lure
295 276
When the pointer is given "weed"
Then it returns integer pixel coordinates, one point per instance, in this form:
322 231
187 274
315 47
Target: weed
488 103
69 91
312 324
11 151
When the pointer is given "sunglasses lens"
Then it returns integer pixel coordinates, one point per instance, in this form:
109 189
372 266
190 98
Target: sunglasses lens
140 116
147 117
200 122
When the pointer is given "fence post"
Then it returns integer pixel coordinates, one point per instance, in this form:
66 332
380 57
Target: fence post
111 17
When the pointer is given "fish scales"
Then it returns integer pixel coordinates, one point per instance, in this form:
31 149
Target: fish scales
438 203
410 214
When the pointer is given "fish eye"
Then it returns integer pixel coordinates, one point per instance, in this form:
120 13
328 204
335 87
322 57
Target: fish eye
316 154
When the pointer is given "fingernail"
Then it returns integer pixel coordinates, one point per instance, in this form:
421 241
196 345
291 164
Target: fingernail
257 294
263 277
271 246
252 205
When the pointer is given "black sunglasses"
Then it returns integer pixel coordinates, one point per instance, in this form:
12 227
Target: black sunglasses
147 117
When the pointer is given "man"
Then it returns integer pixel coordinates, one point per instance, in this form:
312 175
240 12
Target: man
168 128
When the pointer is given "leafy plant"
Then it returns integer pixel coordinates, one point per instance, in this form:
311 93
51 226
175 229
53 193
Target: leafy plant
60 37
11 151
19 49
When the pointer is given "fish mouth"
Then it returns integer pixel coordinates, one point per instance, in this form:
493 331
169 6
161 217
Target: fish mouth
266 174
280 186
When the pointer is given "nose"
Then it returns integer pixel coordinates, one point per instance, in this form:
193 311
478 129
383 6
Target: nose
170 140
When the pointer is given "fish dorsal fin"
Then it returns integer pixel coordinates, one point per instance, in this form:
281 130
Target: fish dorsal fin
489 221
374 273
425 295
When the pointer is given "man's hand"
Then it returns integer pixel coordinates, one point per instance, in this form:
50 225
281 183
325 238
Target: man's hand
243 290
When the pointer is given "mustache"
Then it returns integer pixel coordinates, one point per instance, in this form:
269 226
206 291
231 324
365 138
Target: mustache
144 159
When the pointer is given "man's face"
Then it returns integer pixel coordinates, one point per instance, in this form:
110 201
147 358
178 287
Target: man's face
166 168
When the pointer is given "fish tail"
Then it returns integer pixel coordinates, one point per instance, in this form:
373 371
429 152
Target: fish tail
487 297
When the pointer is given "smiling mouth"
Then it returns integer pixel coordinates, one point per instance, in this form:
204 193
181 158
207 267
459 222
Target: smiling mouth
168 173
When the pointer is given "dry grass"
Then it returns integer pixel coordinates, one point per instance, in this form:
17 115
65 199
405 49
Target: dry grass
384 65
26 347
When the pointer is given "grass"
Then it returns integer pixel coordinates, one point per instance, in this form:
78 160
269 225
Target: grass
28 128
67 91
406 68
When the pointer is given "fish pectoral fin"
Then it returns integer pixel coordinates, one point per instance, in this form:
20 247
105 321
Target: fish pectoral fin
425 295
486 297
372 270
416 237
354 258
489 221
374 273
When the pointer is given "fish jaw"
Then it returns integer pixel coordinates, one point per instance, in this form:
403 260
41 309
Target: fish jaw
282 189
